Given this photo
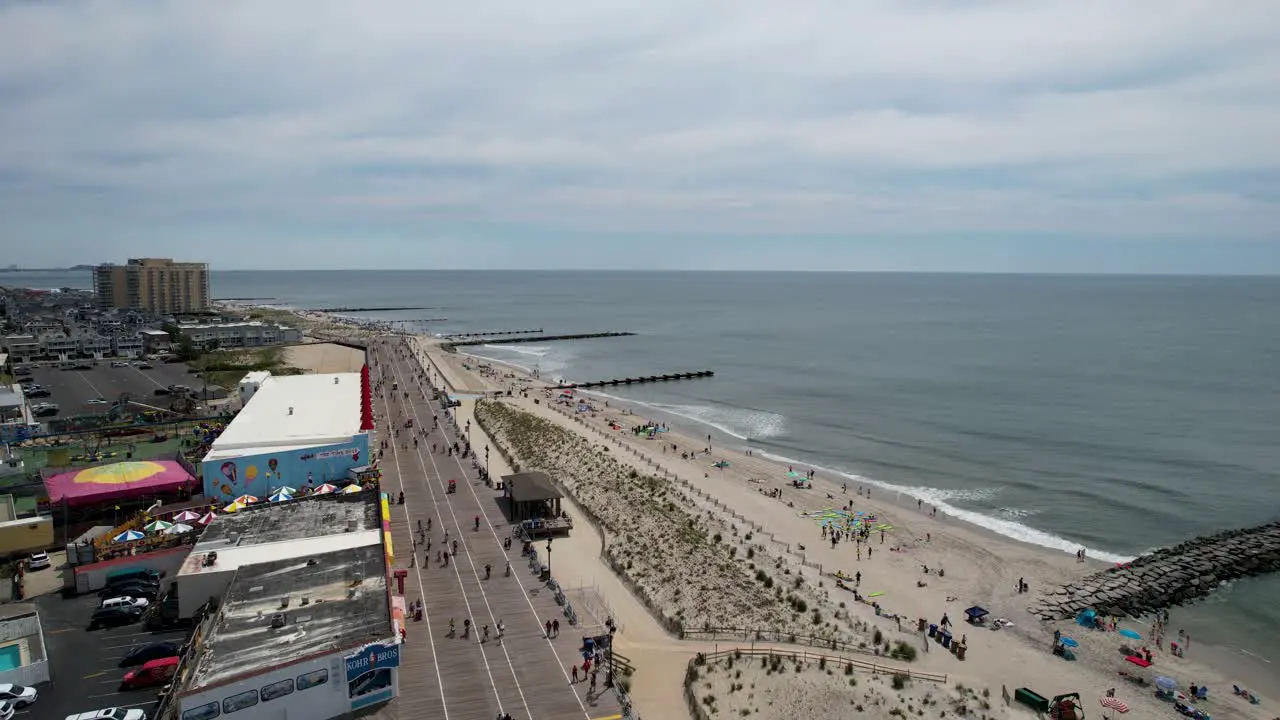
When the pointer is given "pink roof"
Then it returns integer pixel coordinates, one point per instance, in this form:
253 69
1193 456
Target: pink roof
129 479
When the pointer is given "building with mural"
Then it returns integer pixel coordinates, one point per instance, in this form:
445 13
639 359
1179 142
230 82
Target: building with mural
295 431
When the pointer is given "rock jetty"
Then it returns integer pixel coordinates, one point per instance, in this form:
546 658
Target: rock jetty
1169 576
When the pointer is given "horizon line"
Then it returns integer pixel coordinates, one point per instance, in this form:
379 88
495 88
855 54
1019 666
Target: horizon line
1040 273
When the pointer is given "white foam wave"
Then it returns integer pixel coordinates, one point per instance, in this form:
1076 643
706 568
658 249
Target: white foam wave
740 423
523 368
938 497
525 350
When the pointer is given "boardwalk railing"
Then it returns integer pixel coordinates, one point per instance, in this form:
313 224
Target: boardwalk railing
773 636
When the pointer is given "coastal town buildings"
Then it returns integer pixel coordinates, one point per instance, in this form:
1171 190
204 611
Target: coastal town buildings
250 333
155 285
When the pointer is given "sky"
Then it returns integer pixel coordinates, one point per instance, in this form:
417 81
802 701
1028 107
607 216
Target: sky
1032 135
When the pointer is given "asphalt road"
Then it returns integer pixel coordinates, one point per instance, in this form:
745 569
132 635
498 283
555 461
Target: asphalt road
73 389
84 666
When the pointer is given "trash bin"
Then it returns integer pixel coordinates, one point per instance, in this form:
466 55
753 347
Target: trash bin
960 651
923 624
933 630
944 639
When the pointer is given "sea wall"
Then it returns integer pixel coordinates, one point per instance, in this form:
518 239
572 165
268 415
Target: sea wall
1169 576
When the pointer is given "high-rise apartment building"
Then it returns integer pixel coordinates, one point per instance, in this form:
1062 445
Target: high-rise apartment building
155 285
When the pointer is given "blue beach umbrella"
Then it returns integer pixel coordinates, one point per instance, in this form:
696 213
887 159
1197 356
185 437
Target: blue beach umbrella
1069 642
1166 683
280 497
1131 634
128 536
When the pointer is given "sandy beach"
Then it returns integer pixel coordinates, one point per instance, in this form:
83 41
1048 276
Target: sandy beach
977 567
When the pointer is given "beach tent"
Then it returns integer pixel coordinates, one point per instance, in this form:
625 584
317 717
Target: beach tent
128 536
976 614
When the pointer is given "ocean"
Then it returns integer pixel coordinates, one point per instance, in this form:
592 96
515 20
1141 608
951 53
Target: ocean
1117 413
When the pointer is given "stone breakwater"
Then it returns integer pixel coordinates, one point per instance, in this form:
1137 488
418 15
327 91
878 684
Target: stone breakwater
1169 576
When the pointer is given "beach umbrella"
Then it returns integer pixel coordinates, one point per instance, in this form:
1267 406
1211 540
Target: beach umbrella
207 518
247 499
1131 634
157 526
280 497
285 489
186 516
1165 682
128 536
178 529
233 507
1115 703
1069 642
352 488
325 489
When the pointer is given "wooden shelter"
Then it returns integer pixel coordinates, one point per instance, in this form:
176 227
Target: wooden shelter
531 496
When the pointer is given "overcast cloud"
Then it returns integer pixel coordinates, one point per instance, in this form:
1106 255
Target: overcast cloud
906 134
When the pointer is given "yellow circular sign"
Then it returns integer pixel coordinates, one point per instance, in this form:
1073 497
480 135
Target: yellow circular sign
119 473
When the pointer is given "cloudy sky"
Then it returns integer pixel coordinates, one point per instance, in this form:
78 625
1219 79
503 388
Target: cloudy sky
1045 135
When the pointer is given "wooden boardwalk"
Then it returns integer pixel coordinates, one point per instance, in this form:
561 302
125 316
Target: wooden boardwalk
451 677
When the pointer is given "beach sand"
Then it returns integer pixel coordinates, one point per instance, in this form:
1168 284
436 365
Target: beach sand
981 568
324 358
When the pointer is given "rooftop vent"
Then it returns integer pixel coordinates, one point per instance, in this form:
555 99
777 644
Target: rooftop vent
277 620
335 381
284 602
306 600
290 409
232 538
210 558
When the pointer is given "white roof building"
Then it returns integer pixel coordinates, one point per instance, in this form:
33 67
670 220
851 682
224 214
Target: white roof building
292 412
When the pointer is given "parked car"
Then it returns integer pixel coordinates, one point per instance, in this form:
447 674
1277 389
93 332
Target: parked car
119 364
151 674
6 710
125 601
114 616
38 561
143 590
19 696
162 391
115 713
147 653
145 366
97 401
36 391
44 409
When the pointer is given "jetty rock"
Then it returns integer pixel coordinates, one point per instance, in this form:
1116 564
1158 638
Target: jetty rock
1175 575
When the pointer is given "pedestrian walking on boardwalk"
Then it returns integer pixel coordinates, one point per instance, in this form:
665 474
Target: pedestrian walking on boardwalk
555 627
548 627
575 673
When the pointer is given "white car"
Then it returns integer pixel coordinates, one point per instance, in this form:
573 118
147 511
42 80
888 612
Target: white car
38 561
115 713
19 696
125 601
6 711
119 363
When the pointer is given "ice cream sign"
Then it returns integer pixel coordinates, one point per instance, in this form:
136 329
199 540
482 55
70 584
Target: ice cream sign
372 658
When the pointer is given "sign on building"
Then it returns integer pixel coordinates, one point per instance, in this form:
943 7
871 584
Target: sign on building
371 674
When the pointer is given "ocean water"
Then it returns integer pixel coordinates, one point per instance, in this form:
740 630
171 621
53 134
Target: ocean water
1115 413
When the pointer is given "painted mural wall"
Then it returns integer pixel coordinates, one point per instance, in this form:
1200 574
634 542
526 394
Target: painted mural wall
259 474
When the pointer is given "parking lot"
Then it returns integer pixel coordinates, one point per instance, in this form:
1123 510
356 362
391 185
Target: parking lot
72 390
83 665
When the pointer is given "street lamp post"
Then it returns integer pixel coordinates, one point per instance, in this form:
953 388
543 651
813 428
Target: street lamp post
548 556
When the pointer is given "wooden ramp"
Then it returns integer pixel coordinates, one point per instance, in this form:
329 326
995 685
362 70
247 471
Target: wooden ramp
443 676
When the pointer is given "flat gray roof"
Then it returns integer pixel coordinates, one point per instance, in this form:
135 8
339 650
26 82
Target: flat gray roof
346 605
312 516
531 487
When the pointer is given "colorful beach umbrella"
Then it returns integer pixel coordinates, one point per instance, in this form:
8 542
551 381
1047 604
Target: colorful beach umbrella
207 518
325 489
247 499
1115 704
186 516
280 497
178 529
128 536
284 490
235 506
157 526
1166 683
1131 634
352 488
